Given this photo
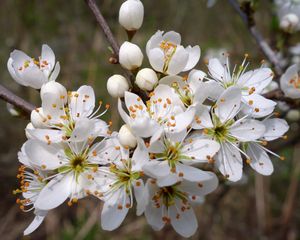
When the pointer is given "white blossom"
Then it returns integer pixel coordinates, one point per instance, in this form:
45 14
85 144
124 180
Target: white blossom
32 72
126 137
173 204
290 82
167 56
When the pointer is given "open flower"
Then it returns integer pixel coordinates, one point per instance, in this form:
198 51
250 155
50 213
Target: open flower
173 155
251 83
74 167
32 72
258 153
290 82
173 204
164 113
32 183
229 132
67 117
167 56
121 182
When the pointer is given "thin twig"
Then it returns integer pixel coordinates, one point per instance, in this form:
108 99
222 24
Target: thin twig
262 43
16 101
104 26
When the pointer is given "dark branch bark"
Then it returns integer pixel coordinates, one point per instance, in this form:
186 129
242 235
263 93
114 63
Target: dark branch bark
104 26
18 102
262 43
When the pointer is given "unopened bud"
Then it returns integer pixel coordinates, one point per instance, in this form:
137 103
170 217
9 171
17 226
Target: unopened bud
117 85
131 15
130 56
289 22
146 79
126 138
293 115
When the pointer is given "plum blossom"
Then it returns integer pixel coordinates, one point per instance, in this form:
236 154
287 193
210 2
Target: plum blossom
164 112
167 56
290 82
69 116
220 123
121 182
32 72
258 153
74 165
173 204
252 83
173 155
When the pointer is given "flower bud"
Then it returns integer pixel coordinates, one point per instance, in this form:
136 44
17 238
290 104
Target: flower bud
126 138
146 79
37 118
130 56
131 15
56 89
293 115
289 22
117 85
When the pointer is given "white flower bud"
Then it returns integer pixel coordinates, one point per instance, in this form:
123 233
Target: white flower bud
54 88
293 115
37 118
289 22
131 15
146 79
117 85
126 138
130 56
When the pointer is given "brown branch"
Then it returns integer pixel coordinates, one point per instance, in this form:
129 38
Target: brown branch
104 26
262 43
16 101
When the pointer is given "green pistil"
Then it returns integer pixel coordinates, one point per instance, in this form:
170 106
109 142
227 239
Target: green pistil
170 194
124 175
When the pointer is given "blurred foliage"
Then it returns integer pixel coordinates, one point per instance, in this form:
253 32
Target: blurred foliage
70 29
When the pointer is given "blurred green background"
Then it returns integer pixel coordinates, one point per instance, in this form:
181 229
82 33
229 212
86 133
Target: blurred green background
258 208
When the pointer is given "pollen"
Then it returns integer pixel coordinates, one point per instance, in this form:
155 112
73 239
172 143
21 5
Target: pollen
120 207
256 109
250 102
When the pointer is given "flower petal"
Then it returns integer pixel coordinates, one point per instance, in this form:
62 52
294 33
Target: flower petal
247 130
178 61
275 128
194 56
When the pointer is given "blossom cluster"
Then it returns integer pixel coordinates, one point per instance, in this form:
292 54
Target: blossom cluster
180 123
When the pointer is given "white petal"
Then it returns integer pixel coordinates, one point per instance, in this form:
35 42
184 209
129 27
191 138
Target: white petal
183 120
288 82
199 149
186 224
194 56
37 221
172 37
178 61
33 77
55 72
258 105
83 129
192 174
13 73
46 135
275 128
42 155
247 130
140 156
112 216
55 192
132 99
203 117
259 79
157 169
154 41
260 161
82 102
140 196
229 162
218 70
170 80
165 92
48 55
228 104
168 180
156 59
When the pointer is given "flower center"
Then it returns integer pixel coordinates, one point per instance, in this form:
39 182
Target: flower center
295 82
169 49
78 163
169 195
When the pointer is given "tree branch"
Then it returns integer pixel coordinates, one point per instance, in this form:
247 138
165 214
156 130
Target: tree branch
264 46
13 99
104 26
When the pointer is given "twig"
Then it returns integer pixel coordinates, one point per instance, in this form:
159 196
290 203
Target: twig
13 99
264 46
104 26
